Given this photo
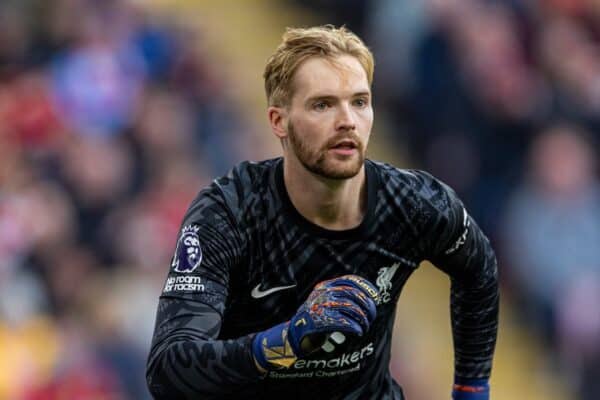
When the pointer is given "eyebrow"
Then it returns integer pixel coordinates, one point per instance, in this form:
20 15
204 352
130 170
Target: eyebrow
331 97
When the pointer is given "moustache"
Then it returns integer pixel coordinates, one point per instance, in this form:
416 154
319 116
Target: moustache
346 137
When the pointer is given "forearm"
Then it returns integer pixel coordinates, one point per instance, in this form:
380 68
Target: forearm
207 368
188 362
471 264
458 247
474 313
474 306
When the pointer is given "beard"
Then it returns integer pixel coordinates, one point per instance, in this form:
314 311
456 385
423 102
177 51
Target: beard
320 162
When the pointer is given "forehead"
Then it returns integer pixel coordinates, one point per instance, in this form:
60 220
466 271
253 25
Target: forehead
342 76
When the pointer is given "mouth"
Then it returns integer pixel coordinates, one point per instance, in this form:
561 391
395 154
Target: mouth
346 145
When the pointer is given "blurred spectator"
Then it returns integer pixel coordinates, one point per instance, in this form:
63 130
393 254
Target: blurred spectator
112 118
571 56
395 30
578 319
97 173
476 87
98 79
29 355
28 115
351 13
551 236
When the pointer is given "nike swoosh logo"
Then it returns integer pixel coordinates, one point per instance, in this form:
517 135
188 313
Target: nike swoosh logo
257 293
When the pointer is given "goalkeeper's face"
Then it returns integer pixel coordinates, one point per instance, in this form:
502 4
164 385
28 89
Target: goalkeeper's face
330 117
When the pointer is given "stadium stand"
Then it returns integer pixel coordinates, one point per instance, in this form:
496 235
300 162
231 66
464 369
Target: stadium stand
106 134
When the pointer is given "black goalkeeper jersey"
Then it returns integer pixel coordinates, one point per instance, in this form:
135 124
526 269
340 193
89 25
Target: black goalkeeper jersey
246 259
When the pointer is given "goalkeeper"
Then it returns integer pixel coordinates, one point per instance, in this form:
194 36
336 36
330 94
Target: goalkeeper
287 272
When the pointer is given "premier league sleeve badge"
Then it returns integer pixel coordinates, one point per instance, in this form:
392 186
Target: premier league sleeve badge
188 254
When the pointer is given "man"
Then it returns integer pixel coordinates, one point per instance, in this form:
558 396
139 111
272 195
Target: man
270 292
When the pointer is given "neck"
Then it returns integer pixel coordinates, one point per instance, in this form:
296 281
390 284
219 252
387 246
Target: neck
335 204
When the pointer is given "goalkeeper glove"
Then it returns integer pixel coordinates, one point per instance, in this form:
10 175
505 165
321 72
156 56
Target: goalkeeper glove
471 389
344 305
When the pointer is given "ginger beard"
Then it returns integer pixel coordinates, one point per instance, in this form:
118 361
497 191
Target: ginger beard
322 162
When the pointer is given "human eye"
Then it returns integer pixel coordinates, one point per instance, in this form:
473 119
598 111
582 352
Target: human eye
320 105
361 102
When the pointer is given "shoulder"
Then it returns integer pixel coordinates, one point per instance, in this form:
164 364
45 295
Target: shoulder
246 178
418 198
231 193
414 184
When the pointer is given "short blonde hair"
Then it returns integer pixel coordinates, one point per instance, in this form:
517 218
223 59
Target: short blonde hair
300 44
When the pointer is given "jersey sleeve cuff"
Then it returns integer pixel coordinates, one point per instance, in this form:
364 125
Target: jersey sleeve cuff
470 389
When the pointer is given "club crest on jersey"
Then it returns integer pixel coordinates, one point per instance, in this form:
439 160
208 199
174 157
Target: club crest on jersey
384 282
188 254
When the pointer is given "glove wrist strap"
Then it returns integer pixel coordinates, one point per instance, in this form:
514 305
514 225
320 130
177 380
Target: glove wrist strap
272 349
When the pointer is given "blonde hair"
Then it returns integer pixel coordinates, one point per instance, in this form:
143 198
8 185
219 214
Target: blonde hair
300 44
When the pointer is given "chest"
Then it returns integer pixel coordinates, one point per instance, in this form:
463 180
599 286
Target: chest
283 266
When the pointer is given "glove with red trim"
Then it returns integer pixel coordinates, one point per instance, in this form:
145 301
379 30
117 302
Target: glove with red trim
336 307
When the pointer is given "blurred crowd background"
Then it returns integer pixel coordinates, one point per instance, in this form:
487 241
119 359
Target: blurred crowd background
114 113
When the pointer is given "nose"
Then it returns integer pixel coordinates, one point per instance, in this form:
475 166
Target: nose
345 118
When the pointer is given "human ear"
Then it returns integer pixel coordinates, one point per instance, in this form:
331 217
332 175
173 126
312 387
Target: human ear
278 121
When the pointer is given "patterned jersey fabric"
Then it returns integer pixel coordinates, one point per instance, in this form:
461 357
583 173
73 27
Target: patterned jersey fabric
246 259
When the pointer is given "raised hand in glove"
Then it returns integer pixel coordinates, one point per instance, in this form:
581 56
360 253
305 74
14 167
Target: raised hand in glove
344 305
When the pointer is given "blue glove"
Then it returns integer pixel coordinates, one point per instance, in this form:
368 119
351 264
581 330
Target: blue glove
471 389
344 305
